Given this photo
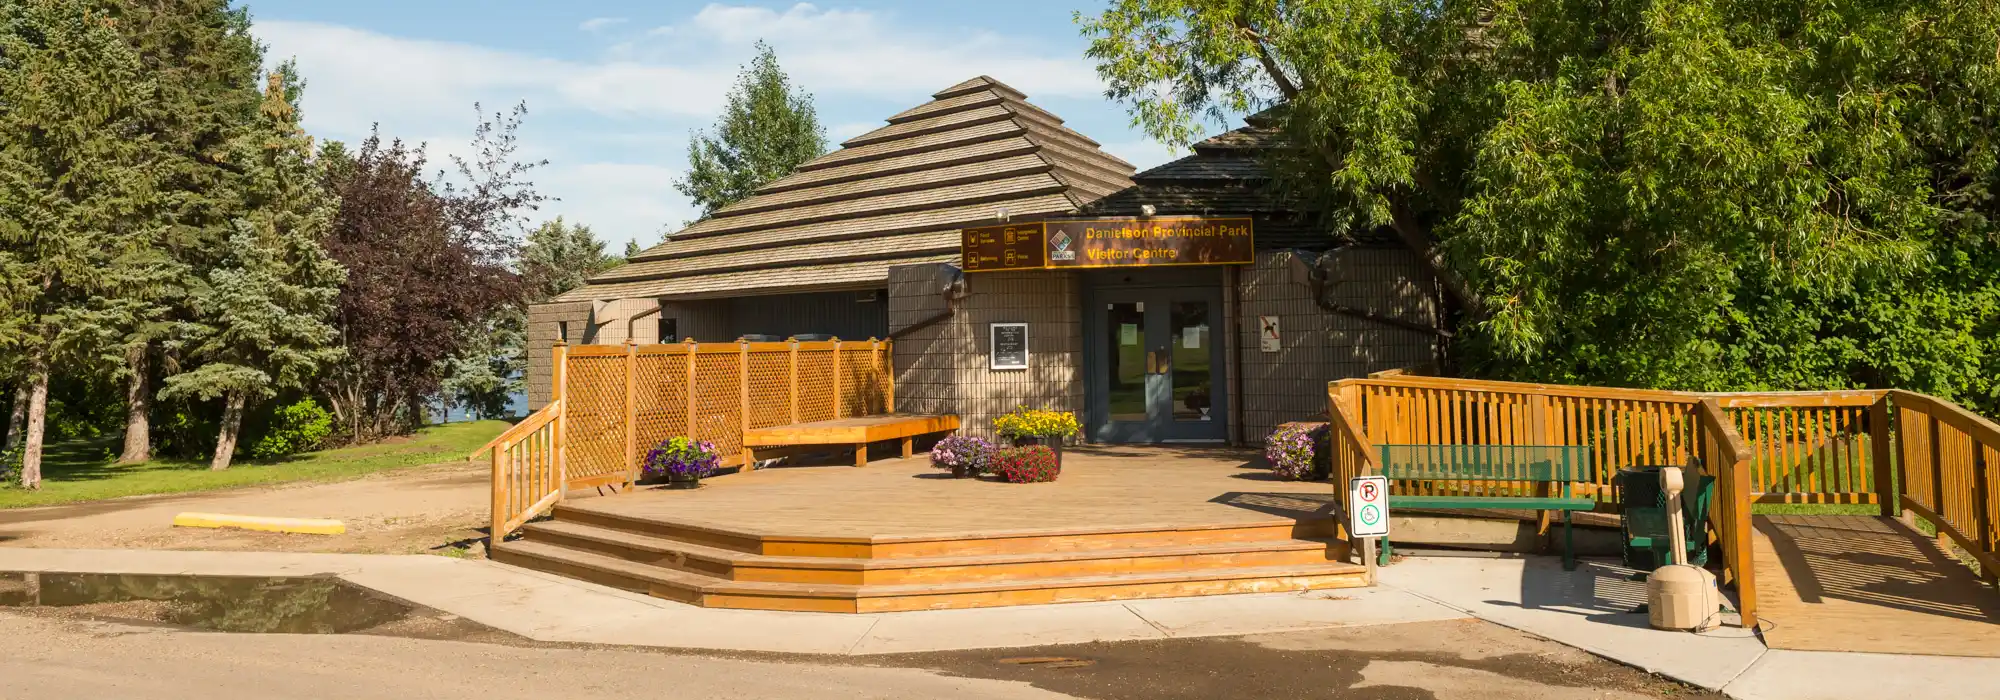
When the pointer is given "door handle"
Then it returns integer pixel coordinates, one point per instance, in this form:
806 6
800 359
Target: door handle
1156 362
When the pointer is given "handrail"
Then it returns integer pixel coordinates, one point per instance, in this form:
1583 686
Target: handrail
1949 464
1726 456
1351 453
529 474
527 425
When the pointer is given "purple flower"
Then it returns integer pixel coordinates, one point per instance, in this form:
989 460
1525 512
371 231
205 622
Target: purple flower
1292 449
681 458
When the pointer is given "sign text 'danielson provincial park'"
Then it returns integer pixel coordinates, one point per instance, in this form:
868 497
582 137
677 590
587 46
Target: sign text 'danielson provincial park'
1157 241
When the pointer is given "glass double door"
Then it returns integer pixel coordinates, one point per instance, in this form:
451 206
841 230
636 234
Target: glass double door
1158 375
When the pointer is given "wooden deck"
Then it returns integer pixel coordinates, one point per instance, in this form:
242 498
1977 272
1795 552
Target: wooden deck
1120 523
1868 584
857 431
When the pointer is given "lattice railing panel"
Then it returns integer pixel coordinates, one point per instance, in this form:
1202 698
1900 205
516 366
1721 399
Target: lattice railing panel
595 391
860 393
770 389
660 399
718 400
815 385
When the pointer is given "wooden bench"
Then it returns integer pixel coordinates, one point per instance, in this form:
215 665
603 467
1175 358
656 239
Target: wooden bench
858 432
1529 464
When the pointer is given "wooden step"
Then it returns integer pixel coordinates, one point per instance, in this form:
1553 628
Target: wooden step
710 591
740 566
953 544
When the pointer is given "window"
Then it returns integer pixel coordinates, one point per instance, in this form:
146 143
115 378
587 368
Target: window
562 331
670 330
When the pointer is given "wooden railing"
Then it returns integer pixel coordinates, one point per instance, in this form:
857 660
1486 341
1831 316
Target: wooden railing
1350 453
1726 457
1813 447
528 475
1949 469
623 399
1623 427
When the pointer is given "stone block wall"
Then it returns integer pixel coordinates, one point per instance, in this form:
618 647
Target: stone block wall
926 363
1050 303
544 323
1318 346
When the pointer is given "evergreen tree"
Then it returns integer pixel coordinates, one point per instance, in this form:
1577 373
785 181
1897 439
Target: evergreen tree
560 256
204 65
73 175
632 249
766 129
262 312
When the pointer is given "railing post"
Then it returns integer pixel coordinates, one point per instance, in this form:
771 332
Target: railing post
875 359
743 396
1880 430
1937 479
836 377
792 381
889 374
495 535
1982 496
561 393
631 413
692 432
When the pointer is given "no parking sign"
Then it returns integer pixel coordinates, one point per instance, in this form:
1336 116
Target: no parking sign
1368 506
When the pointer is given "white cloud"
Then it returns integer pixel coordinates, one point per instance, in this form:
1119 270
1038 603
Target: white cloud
844 131
595 24
619 201
861 52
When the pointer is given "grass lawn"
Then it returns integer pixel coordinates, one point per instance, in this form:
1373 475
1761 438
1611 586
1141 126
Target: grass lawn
85 470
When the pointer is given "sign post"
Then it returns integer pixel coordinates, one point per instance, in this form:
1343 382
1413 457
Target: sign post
1368 515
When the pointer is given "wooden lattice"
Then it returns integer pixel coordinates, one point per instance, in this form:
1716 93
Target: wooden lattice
732 387
595 393
660 396
718 397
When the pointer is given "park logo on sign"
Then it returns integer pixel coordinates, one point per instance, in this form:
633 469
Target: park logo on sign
1059 247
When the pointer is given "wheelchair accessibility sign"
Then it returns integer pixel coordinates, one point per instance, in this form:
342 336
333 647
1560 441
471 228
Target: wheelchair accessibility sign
1368 506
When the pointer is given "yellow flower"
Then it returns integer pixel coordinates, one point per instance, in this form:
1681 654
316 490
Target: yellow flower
1039 422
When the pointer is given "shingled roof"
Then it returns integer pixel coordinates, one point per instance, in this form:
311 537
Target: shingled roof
1227 175
895 195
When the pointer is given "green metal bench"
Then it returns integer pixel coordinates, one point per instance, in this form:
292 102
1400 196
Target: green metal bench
1532 464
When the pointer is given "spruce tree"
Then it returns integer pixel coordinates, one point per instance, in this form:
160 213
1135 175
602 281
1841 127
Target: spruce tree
73 175
767 128
262 312
203 64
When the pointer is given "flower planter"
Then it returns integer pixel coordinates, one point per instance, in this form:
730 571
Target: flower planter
958 471
1054 443
680 483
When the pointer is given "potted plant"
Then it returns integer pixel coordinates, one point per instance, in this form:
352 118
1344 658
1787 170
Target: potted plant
683 461
1037 426
1032 464
964 455
1295 451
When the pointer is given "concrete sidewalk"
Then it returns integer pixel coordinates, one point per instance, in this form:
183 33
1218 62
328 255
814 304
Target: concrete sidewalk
550 608
1590 609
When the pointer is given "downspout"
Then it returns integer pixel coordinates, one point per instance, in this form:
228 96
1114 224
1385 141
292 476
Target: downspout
1232 276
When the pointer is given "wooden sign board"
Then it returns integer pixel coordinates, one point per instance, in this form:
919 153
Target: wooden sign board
1009 247
1087 243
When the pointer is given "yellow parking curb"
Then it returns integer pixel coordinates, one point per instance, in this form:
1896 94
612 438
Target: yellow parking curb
304 526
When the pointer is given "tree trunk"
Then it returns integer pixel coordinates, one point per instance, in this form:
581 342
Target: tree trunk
38 413
17 418
232 421
138 404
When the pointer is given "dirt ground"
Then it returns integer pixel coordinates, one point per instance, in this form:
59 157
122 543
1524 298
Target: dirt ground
423 509
430 658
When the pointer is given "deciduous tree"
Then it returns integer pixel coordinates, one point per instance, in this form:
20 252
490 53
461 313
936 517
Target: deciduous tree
1683 193
767 128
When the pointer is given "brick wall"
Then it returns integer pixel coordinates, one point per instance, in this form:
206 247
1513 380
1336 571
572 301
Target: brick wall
1319 347
1049 303
925 359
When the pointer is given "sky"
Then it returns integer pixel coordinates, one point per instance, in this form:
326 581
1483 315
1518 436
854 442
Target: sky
614 89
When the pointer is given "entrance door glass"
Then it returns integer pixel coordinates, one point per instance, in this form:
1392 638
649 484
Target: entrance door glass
1190 350
1125 326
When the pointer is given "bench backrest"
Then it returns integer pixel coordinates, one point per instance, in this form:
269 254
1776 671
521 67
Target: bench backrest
1539 463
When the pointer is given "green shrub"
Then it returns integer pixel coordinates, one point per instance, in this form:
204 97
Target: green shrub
298 427
10 466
